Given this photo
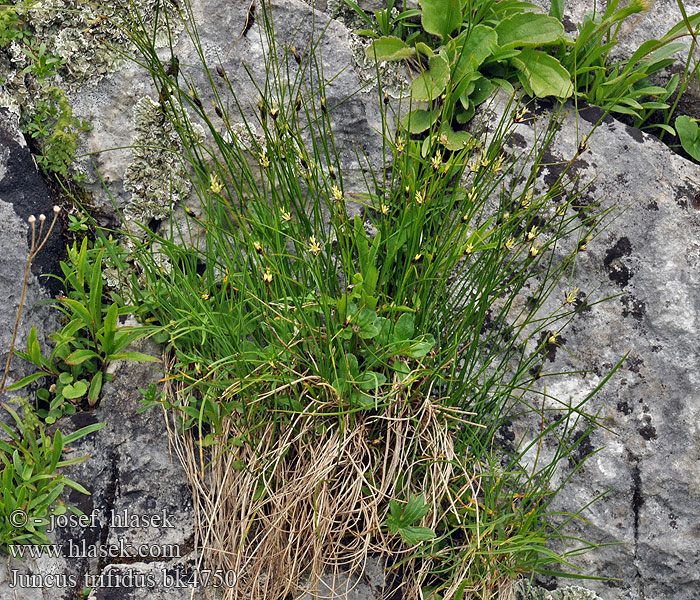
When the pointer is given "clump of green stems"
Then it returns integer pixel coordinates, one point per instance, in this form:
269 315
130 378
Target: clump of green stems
340 361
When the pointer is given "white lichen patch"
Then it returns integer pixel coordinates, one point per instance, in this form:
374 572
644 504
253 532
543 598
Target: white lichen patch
394 75
157 177
524 591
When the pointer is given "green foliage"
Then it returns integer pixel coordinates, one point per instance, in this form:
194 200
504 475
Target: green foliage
398 343
478 50
32 484
490 44
56 132
401 519
90 339
387 22
48 118
689 135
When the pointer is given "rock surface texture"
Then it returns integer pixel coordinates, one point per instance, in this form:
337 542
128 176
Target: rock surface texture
646 262
109 104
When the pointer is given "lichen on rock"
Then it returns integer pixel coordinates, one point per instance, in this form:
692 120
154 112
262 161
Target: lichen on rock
157 177
524 591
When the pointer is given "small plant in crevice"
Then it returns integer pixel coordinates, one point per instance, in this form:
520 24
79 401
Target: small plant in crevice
335 381
38 240
90 339
32 483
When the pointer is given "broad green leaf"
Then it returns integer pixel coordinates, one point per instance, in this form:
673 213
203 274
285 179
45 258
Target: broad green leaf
25 381
415 509
482 91
556 9
80 356
415 535
423 48
441 17
95 302
78 310
455 140
75 390
384 326
430 84
529 29
419 348
389 48
95 387
419 120
370 380
404 328
473 47
543 74
33 348
140 356
76 486
82 432
109 328
688 132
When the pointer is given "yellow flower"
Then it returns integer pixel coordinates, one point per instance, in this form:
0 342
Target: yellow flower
571 296
267 276
400 144
264 160
215 184
337 193
534 250
286 217
561 210
552 339
420 198
498 164
471 194
314 246
436 161
509 243
258 247
532 234
520 117
584 243
525 202
469 248
384 209
205 296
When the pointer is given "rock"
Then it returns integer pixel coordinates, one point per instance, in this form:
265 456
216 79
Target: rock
108 105
23 193
646 262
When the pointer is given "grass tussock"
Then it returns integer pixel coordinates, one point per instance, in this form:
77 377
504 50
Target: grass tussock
342 360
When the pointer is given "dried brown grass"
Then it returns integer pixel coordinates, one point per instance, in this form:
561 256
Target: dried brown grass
305 497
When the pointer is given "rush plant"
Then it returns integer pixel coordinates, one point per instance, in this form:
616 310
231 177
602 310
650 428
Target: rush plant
342 358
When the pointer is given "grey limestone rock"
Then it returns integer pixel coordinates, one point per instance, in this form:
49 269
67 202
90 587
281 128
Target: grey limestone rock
139 538
645 260
107 106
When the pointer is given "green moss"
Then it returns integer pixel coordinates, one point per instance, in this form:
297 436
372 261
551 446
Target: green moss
50 45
